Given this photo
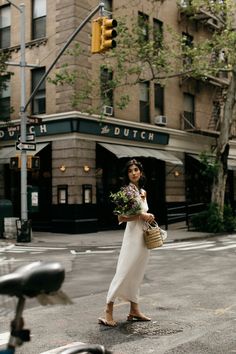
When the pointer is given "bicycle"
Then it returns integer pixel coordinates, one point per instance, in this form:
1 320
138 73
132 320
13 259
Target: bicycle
36 279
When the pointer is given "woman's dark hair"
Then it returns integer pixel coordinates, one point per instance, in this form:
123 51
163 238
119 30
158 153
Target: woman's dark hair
126 169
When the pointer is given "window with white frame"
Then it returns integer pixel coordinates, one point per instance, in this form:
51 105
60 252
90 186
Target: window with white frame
5 26
39 12
5 98
39 100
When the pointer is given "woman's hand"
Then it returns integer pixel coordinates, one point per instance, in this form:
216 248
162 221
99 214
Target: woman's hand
147 217
121 218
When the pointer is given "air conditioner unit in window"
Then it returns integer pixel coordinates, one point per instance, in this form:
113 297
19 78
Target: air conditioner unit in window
160 120
108 110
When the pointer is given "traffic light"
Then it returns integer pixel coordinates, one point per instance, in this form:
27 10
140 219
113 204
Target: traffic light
103 34
108 33
15 162
96 35
33 162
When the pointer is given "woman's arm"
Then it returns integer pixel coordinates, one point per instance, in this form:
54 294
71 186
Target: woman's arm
142 216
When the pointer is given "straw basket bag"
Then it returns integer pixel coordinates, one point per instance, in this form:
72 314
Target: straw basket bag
153 235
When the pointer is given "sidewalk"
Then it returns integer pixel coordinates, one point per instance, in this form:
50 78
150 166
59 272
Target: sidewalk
176 232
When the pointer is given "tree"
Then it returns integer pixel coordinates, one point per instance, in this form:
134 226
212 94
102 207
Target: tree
141 57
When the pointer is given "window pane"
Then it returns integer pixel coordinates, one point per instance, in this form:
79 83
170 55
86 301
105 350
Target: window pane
158 33
39 28
39 101
39 8
159 98
143 25
108 5
144 92
5 108
144 102
5 37
144 112
106 89
188 102
5 17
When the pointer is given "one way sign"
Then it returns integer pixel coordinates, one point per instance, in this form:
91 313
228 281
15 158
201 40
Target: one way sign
25 146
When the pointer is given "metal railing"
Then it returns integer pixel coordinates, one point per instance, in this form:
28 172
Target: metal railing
183 212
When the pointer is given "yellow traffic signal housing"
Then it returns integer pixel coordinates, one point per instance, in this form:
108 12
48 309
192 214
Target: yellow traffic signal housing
103 34
108 33
96 35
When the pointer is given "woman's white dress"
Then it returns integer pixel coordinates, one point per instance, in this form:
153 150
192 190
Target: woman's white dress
131 263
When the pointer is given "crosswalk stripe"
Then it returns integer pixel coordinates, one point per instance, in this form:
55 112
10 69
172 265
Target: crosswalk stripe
195 247
223 248
183 244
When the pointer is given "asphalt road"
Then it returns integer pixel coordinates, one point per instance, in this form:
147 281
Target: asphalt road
189 291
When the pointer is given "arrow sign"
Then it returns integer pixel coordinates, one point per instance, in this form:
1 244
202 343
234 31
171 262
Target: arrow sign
25 146
29 137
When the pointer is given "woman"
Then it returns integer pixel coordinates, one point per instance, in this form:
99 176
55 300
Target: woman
133 255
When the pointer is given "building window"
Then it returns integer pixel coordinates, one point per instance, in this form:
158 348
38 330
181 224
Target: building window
39 12
5 98
106 86
5 27
144 104
159 99
108 8
39 100
187 45
189 111
143 26
157 33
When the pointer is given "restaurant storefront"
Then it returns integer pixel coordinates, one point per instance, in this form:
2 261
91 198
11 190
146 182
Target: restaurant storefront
81 162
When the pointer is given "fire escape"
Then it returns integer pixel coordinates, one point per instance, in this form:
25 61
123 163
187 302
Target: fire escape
204 17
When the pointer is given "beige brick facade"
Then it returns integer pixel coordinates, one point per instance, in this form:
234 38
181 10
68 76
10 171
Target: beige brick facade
76 149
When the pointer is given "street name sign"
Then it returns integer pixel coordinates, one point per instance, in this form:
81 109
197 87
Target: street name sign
29 137
34 120
25 146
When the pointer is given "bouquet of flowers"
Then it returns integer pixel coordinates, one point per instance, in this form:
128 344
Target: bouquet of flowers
127 201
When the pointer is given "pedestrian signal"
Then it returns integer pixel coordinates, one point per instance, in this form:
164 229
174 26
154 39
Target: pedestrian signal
33 162
103 34
15 162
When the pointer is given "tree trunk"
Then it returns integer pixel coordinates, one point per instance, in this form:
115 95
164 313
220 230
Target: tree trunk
222 148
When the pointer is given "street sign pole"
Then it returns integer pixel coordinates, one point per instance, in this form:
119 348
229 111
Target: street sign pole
24 209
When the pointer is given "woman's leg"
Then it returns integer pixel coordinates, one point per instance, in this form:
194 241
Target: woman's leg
108 320
136 314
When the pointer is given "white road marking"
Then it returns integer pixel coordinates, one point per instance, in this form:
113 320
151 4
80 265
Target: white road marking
4 338
91 252
57 350
223 247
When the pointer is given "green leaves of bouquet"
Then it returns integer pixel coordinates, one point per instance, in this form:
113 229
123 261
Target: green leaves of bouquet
127 201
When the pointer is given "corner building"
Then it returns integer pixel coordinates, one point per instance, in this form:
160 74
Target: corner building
82 154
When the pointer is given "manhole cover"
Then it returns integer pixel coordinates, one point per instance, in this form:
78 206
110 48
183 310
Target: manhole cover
148 329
